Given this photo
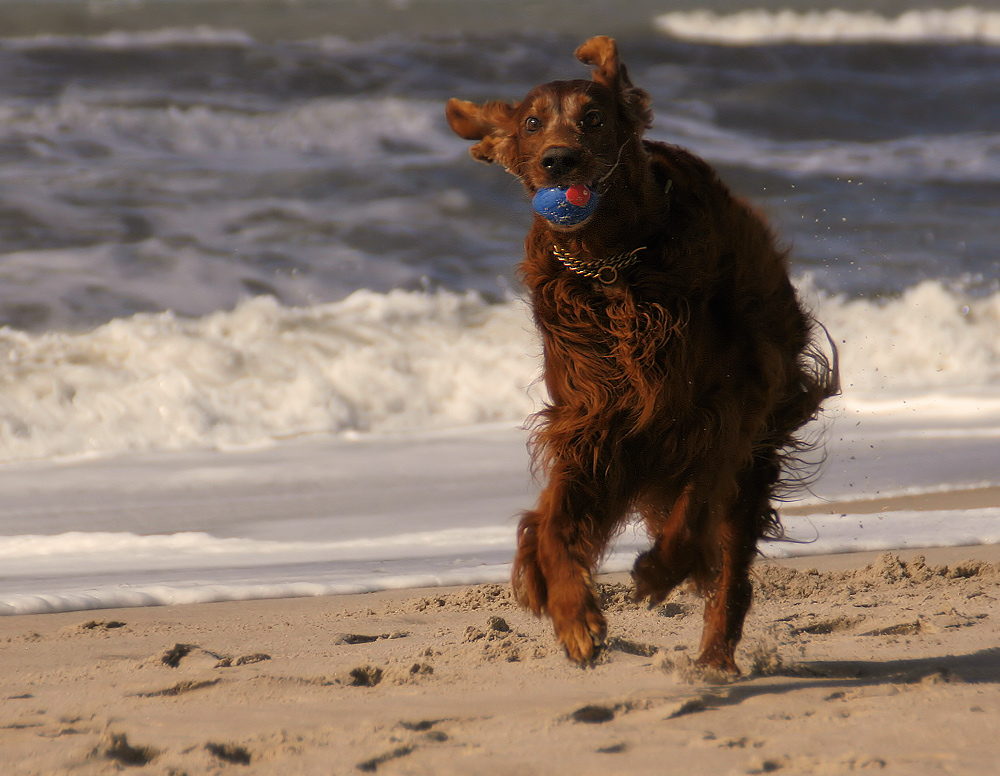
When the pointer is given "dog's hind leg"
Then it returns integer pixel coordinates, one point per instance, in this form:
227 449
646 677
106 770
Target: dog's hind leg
674 555
730 594
559 545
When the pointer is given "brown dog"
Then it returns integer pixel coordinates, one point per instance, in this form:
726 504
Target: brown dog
678 361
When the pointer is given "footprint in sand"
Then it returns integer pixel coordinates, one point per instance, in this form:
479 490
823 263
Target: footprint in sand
180 688
427 733
115 746
363 676
230 753
372 765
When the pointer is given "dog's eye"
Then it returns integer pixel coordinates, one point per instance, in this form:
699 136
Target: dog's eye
532 123
592 119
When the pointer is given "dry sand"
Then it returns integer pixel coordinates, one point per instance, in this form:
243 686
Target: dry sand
876 663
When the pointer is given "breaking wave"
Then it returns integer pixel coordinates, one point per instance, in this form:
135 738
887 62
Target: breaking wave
760 27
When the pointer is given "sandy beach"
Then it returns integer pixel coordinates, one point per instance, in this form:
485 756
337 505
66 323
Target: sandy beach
874 662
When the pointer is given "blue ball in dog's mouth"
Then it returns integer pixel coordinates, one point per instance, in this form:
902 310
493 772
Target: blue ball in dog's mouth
565 205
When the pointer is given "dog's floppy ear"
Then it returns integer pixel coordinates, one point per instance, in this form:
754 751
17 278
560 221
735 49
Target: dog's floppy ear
489 123
610 71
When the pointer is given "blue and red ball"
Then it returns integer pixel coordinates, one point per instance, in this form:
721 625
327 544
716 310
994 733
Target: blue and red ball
565 205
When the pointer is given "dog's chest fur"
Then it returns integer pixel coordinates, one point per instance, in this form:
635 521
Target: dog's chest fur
607 337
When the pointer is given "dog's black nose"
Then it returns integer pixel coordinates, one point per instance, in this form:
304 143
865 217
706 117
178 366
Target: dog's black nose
560 160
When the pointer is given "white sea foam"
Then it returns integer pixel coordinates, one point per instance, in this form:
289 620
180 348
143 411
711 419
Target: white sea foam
118 40
929 340
828 534
54 565
405 361
204 591
82 553
758 27
262 371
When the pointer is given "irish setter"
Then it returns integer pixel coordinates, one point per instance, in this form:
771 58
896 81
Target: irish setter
678 361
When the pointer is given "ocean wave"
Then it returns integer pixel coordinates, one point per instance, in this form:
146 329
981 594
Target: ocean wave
395 362
82 553
381 362
482 557
760 27
397 133
930 339
971 157
120 40
352 131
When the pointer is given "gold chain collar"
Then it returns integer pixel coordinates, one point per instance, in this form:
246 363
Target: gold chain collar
603 270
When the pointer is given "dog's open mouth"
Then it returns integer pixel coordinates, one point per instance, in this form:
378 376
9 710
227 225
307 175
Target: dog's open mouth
566 206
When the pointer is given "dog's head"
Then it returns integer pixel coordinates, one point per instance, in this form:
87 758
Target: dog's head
564 133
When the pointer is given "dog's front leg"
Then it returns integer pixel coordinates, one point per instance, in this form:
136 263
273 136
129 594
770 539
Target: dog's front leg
559 544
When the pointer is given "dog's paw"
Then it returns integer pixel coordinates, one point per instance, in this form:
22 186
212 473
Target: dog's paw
584 641
580 625
649 578
717 662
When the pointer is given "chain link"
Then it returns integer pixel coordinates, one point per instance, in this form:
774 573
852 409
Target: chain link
605 271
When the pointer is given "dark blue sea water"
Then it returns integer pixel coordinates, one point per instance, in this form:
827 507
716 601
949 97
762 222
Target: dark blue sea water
184 155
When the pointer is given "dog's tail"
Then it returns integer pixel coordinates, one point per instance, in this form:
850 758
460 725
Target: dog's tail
799 429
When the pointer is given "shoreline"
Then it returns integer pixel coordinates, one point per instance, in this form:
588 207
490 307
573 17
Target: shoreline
333 515
976 497
862 661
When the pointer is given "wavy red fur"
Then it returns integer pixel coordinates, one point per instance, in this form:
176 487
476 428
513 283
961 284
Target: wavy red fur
676 390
